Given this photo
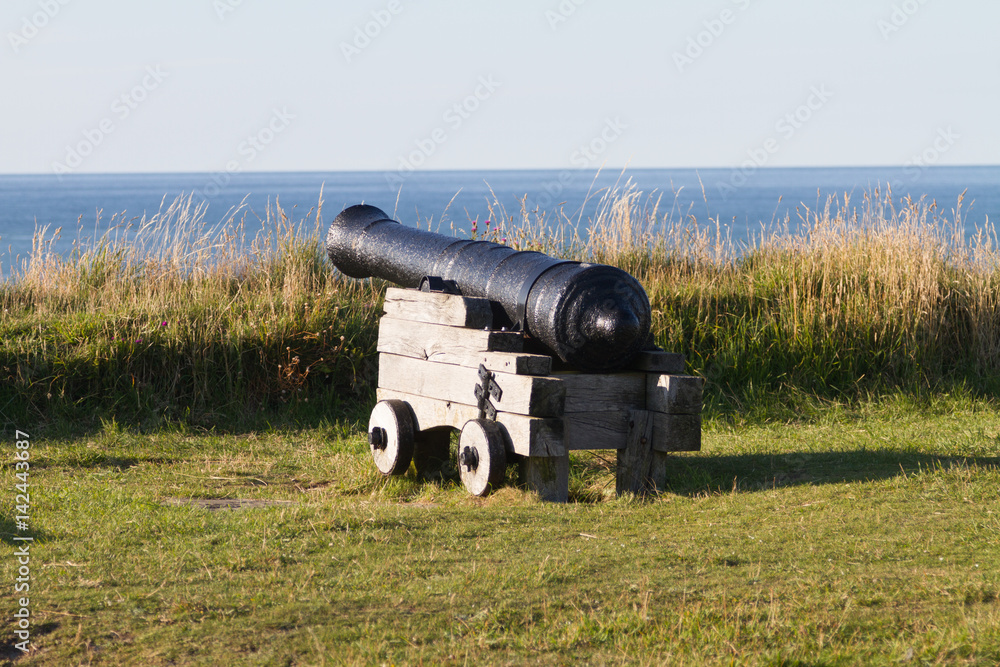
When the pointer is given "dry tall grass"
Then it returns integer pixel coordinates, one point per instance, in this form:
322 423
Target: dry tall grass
850 300
169 318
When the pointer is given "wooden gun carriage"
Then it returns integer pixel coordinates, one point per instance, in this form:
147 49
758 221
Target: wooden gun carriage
443 367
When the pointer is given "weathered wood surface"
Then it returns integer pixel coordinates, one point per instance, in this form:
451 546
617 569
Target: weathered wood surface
596 429
674 394
522 394
530 436
597 408
548 477
586 392
460 347
608 429
676 433
658 362
439 308
634 461
659 469
421 340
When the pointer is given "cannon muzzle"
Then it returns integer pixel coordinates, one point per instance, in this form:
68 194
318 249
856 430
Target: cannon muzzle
592 316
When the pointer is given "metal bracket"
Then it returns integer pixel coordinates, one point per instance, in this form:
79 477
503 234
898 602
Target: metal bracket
488 388
438 284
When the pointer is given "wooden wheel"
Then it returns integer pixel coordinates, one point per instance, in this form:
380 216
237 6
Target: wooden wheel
482 456
390 436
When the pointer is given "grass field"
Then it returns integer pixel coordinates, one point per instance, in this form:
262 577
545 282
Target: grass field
845 508
869 539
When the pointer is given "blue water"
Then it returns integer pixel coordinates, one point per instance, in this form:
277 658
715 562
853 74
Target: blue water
739 200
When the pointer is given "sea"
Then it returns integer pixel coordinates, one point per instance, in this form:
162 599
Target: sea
740 200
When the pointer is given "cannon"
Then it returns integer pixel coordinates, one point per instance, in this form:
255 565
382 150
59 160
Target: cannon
594 317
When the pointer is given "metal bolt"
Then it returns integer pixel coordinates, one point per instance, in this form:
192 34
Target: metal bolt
378 438
469 458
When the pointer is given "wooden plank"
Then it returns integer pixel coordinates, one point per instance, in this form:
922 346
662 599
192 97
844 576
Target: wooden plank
420 340
461 347
659 470
658 362
676 433
586 392
608 429
518 363
435 307
596 429
530 436
522 394
675 394
634 460
548 477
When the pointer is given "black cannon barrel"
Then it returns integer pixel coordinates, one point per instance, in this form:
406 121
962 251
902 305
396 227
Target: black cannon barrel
592 316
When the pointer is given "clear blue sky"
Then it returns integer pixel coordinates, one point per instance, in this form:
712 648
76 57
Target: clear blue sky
196 85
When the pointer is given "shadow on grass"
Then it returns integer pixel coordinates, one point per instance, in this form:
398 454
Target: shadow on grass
9 530
759 472
66 421
748 473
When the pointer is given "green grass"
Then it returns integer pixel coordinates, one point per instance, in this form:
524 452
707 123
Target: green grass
861 539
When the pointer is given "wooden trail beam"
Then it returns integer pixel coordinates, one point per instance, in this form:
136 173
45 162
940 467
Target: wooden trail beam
423 341
530 436
438 308
497 350
608 429
522 394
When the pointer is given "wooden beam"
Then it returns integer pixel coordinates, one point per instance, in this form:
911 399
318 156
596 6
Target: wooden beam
676 433
658 362
608 429
460 347
425 341
522 394
633 470
530 436
586 392
596 429
675 394
436 307
548 477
